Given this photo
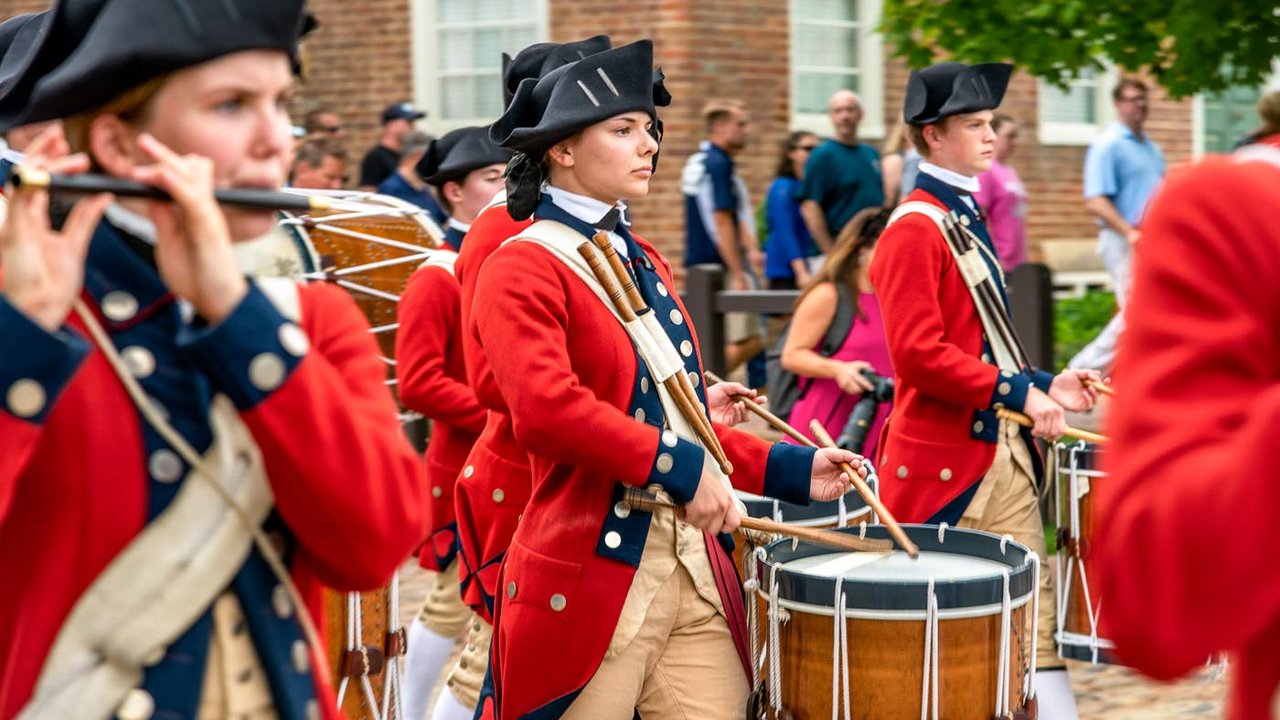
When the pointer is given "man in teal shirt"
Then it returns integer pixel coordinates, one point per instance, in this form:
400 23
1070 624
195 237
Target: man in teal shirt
842 175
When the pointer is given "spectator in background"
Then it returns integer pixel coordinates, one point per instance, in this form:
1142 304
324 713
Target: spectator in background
381 161
788 245
1269 111
1003 197
842 175
1122 169
323 122
833 384
718 223
405 183
319 163
899 164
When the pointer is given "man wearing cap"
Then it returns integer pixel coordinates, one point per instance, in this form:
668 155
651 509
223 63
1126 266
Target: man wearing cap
467 168
405 183
383 159
946 456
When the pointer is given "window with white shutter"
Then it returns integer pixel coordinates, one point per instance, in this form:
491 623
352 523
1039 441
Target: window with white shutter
1075 115
835 46
457 50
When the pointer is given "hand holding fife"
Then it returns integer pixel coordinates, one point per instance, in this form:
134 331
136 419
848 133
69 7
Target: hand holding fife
193 246
727 402
44 268
712 508
827 480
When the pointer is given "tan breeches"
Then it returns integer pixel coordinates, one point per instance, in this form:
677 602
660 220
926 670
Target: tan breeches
444 613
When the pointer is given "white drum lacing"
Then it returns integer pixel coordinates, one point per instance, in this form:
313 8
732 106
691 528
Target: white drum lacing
1003 666
929 687
751 585
773 649
1075 492
393 675
355 642
1029 690
840 652
842 513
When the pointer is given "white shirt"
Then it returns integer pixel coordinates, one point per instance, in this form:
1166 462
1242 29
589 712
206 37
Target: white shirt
458 225
589 210
954 179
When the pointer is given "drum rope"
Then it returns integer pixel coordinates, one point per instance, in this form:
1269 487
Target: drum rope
355 643
1035 624
354 235
772 649
376 265
930 680
1003 679
752 585
841 512
357 287
391 700
840 652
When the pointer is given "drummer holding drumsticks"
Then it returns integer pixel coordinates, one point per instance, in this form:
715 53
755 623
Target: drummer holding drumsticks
945 454
605 608
186 455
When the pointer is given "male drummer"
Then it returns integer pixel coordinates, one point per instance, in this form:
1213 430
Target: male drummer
467 169
946 457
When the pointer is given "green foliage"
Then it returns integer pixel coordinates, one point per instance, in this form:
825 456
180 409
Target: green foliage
1077 321
1190 46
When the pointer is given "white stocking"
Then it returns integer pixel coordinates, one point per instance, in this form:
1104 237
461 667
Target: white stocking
448 708
426 658
1054 695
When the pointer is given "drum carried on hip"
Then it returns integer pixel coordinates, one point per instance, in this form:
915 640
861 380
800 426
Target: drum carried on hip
368 245
944 636
1075 470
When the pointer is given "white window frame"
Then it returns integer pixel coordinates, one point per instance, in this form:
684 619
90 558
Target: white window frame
426 71
1069 133
870 75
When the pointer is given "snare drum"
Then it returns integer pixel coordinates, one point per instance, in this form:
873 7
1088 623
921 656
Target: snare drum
944 636
846 511
1076 468
368 245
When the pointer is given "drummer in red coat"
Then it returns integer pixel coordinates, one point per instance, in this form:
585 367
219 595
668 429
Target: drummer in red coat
169 429
466 168
945 455
1188 516
606 608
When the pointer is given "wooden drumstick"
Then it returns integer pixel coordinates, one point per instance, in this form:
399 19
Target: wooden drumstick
756 407
1017 417
681 384
690 411
1101 387
826 538
886 517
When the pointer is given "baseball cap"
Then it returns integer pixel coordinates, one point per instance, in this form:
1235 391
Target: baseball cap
402 111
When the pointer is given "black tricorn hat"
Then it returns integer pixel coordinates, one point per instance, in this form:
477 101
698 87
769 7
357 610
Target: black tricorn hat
88 52
578 95
947 89
539 59
459 152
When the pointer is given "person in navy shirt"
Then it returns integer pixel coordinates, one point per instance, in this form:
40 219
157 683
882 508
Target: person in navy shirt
405 183
789 245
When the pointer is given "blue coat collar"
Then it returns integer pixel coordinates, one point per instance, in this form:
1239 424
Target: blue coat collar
548 210
950 197
114 266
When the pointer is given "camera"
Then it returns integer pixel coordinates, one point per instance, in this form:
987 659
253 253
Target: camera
854 436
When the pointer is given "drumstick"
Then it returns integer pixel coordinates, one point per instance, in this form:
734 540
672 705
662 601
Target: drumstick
639 306
1023 420
754 406
826 538
886 517
706 435
86 184
1101 387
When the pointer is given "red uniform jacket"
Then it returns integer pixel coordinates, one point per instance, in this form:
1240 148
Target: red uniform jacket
569 375
76 480
940 438
1187 520
491 495
432 381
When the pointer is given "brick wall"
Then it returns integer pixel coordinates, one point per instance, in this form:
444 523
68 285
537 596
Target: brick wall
361 59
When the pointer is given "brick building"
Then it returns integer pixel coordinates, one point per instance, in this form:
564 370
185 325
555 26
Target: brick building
782 57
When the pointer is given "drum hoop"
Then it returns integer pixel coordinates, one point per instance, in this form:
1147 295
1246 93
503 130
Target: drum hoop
894 597
958 613
1080 640
815 514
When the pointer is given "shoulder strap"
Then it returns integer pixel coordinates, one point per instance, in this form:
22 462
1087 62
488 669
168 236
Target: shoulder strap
841 323
441 258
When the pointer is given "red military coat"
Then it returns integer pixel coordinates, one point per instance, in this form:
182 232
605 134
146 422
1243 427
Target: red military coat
76 477
491 495
1186 522
432 380
940 438
568 374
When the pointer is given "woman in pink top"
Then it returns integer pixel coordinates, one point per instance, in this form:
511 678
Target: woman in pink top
831 386
1003 197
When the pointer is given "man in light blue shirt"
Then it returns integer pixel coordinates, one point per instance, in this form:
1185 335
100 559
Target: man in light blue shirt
1122 170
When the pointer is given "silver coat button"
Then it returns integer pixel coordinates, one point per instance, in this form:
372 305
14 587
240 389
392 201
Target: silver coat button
694 379
293 339
662 290
281 603
640 414
468 471
558 602
26 398
266 372
437 491
165 466
669 438
511 589
119 306
644 385
622 510
902 471
139 360
686 348
676 317
313 710
1004 388
978 426
665 463
613 540
945 474
300 656
499 495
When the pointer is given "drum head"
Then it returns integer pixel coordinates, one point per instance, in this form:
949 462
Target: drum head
815 514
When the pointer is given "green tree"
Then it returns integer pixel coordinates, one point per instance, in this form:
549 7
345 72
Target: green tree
1189 46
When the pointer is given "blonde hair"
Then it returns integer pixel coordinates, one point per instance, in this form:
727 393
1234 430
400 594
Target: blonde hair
1269 110
133 106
